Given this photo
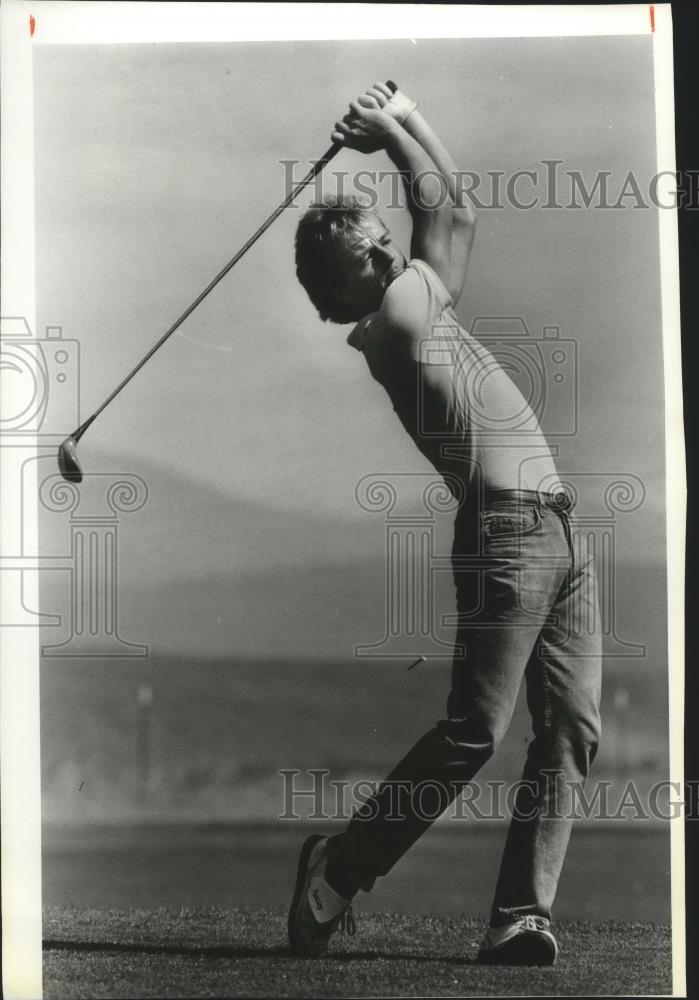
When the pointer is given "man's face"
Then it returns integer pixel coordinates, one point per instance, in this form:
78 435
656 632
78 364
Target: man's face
367 262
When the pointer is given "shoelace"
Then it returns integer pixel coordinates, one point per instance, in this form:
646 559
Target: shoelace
347 924
533 923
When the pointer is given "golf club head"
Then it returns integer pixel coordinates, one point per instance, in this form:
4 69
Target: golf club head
68 461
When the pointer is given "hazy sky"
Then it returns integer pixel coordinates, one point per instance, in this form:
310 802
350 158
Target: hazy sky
155 162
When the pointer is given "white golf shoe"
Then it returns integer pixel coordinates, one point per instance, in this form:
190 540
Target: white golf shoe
525 941
316 911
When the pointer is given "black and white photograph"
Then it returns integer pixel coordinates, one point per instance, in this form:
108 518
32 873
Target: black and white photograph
343 502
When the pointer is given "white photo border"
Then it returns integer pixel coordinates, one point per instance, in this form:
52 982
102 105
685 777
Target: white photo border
43 23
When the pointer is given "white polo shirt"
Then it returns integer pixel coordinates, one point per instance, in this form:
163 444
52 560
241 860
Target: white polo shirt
455 400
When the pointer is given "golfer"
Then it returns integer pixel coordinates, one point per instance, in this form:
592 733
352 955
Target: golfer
526 590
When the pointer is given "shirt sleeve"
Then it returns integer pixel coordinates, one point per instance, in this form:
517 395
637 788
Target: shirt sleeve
434 283
413 305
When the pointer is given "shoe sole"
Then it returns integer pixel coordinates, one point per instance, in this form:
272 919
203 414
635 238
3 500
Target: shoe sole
527 948
298 945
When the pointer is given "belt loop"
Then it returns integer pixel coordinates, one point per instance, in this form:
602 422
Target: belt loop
561 501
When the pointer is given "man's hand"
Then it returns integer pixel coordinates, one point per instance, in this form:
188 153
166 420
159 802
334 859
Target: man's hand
396 104
463 216
367 127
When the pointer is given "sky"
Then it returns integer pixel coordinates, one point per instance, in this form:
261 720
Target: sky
254 423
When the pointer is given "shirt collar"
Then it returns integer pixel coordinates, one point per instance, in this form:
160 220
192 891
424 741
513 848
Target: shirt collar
357 337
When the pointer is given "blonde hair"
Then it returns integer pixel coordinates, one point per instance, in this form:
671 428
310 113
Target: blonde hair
323 226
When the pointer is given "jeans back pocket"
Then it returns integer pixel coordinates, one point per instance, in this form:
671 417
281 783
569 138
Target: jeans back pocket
510 520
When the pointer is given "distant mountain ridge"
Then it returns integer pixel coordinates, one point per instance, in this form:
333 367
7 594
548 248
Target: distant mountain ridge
211 576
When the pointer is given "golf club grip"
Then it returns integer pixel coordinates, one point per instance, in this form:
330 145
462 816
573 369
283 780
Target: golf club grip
323 161
310 176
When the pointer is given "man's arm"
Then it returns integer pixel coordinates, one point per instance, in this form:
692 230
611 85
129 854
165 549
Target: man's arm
405 112
463 214
368 129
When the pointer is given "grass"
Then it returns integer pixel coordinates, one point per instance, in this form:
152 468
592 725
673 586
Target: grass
212 952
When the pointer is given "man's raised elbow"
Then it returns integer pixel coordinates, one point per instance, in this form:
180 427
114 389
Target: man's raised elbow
430 192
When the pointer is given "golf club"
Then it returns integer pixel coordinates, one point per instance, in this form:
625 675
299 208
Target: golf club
67 458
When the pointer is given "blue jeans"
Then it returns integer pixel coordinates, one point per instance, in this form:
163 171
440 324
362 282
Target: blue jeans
528 607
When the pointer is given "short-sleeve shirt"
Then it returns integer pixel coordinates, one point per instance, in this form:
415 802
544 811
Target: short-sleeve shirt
455 400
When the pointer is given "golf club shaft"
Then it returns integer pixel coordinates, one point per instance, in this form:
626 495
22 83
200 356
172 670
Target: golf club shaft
310 176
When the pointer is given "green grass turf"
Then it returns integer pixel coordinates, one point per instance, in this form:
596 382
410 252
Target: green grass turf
243 953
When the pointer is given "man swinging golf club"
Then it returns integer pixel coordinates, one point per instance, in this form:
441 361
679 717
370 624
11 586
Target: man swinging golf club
527 610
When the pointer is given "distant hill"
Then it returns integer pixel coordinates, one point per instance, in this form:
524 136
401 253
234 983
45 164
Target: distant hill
208 576
251 615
